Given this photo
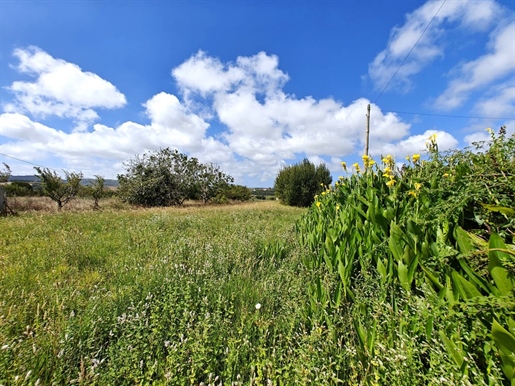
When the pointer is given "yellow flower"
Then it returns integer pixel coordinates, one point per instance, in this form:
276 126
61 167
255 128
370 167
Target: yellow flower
489 130
407 158
416 158
344 166
446 175
387 170
340 178
318 203
371 162
432 138
365 157
316 196
337 207
356 166
390 183
324 193
412 193
418 185
321 184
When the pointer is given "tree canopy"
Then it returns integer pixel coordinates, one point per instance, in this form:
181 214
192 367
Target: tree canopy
297 185
168 177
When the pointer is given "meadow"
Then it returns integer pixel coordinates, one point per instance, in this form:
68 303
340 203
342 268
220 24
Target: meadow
157 296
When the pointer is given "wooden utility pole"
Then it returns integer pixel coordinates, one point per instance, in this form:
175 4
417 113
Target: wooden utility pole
368 130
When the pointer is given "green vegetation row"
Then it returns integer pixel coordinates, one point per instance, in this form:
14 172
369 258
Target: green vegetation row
416 266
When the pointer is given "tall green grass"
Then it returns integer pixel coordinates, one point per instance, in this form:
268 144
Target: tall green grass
161 296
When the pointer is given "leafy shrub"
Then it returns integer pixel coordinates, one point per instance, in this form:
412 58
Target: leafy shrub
19 189
401 249
167 177
237 192
297 185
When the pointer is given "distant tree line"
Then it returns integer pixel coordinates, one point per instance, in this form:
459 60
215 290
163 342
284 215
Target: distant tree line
160 178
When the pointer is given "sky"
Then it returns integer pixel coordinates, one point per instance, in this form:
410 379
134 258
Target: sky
252 86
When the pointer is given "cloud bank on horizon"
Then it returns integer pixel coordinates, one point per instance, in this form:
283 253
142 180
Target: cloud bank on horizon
238 115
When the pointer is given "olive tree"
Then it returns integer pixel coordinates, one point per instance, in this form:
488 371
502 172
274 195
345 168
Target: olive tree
5 173
297 185
59 190
167 177
211 181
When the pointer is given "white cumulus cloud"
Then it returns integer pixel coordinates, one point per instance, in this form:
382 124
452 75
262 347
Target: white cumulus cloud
60 88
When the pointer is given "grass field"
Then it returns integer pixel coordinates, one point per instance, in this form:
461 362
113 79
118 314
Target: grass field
157 296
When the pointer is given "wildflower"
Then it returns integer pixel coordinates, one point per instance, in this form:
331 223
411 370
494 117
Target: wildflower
344 166
418 185
321 184
316 196
490 131
337 207
324 193
318 203
432 138
412 193
340 178
366 160
416 158
356 166
387 170
371 162
446 175
390 183
258 306
408 158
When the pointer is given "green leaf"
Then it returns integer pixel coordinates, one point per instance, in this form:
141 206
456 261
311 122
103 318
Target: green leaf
381 269
403 276
454 352
502 277
465 288
395 243
464 243
504 340
501 209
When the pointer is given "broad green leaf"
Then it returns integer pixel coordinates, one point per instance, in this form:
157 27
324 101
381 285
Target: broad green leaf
483 284
464 243
454 352
502 278
395 243
432 277
381 269
504 340
403 276
465 288
501 209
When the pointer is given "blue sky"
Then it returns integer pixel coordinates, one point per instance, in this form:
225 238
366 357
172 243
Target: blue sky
249 85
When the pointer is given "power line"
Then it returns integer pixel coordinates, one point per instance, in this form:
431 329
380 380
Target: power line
412 48
27 162
446 115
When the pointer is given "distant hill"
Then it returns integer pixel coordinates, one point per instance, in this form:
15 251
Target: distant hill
85 181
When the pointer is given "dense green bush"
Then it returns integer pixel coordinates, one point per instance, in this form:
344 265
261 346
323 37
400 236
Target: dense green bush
167 177
237 192
416 266
298 184
20 189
